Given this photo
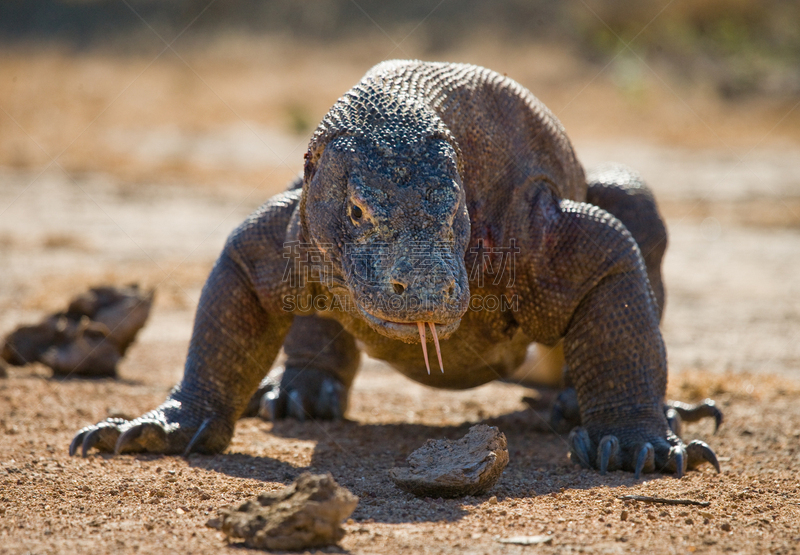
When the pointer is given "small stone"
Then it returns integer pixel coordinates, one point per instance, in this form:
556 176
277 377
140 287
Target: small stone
689 521
442 468
492 500
725 527
308 513
623 515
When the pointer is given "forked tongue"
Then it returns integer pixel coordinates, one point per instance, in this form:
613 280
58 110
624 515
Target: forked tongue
421 327
436 342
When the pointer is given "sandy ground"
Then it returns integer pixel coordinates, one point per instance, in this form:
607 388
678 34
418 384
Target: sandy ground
157 163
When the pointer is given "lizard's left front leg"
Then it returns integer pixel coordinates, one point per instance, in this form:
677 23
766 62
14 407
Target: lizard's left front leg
238 331
590 278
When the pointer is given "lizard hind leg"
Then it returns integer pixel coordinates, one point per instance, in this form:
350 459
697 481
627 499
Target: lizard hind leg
322 359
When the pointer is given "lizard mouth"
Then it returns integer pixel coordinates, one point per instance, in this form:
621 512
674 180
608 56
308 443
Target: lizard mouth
410 332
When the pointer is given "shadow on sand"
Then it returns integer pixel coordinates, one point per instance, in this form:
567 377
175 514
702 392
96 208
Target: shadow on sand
360 455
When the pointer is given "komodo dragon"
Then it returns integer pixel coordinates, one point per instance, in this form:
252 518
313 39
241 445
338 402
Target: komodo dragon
439 203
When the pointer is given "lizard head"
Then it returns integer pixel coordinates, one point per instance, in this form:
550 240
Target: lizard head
391 217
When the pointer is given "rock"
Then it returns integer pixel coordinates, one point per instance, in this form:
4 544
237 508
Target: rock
89 339
307 513
122 310
444 468
88 352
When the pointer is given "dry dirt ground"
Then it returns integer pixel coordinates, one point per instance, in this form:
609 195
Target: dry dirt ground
119 168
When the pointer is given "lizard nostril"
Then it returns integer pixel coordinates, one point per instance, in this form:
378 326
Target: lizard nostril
398 288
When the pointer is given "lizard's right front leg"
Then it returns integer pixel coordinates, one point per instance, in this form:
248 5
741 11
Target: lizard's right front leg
234 342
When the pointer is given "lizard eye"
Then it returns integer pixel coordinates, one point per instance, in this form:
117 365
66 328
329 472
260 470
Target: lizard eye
356 212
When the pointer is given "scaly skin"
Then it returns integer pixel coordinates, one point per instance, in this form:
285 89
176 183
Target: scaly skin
431 193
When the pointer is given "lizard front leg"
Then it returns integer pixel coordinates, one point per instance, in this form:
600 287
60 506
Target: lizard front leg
589 285
238 331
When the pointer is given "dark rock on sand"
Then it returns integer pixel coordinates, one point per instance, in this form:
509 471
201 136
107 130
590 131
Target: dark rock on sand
307 513
444 468
88 339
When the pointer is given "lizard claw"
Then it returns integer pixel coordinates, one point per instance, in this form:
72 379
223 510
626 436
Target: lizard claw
645 459
77 440
698 452
198 436
296 409
676 461
674 421
580 447
693 413
608 454
143 435
268 406
90 440
103 434
329 401
565 414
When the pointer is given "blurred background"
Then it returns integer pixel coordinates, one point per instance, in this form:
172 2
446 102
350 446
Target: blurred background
136 134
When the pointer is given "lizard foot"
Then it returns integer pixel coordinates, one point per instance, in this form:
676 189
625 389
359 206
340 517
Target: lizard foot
170 429
301 394
565 414
632 450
